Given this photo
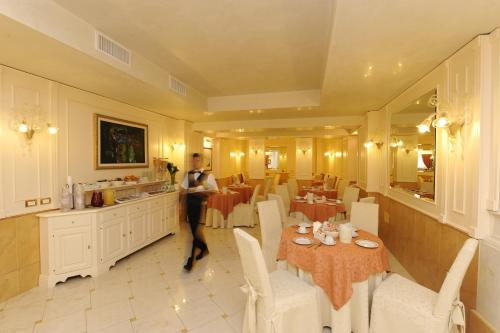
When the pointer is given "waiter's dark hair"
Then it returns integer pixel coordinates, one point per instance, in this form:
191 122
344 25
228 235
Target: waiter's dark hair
196 155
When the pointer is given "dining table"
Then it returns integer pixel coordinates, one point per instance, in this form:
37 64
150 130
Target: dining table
245 190
346 275
220 206
316 211
318 191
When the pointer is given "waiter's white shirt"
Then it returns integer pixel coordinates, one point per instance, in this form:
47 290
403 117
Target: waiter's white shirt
210 180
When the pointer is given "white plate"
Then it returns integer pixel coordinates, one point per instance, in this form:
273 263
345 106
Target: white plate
300 200
305 224
302 233
302 241
325 243
366 243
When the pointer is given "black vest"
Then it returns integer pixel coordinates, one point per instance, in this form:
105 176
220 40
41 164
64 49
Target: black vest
196 182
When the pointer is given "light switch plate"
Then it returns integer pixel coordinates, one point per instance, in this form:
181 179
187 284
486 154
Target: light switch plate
30 203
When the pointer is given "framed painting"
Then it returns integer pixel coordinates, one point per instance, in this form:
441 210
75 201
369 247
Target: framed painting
120 144
207 159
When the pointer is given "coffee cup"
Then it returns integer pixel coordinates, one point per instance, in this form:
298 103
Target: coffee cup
302 230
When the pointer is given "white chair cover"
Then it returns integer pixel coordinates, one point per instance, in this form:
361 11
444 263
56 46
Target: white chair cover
278 302
270 230
367 200
268 182
292 187
401 305
365 216
244 213
351 195
282 191
341 185
285 219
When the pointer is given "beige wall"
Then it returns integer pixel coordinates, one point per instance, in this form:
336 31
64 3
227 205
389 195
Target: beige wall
226 165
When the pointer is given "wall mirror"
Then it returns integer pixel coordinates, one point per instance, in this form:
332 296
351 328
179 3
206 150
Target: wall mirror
275 158
412 153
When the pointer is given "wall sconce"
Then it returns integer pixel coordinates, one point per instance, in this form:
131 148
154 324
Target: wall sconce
441 120
255 150
237 154
379 144
396 143
338 154
368 144
328 154
29 130
304 150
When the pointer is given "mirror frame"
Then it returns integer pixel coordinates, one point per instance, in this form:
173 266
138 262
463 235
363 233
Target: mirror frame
435 209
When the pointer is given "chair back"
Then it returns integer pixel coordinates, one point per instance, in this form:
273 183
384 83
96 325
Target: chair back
281 206
254 269
270 230
236 179
351 195
292 187
367 200
450 289
268 182
341 185
254 195
282 191
364 215
276 180
330 182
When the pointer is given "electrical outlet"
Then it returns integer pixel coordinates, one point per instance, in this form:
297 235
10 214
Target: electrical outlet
30 203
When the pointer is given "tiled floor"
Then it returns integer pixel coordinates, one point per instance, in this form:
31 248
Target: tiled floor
147 292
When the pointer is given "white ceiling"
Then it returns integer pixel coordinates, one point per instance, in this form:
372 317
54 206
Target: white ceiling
227 47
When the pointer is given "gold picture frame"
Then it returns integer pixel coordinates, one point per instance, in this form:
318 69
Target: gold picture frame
119 143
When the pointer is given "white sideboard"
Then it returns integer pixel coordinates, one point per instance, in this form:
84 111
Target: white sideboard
90 241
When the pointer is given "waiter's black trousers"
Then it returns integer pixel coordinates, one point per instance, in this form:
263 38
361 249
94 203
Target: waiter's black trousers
194 203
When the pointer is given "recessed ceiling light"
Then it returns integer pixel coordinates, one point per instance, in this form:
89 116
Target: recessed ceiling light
417 102
329 127
400 64
250 111
299 108
259 111
208 113
370 68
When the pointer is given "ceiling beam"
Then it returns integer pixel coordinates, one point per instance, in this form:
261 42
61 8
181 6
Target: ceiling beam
347 121
285 99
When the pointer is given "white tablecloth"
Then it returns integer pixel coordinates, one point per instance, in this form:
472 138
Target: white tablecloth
215 219
353 316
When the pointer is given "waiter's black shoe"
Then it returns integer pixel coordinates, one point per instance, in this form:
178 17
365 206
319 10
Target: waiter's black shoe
189 265
203 253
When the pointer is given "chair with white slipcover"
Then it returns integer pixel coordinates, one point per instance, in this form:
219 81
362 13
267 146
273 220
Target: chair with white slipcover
286 220
244 213
282 191
268 182
367 200
340 187
351 195
401 305
364 215
277 302
270 231
293 187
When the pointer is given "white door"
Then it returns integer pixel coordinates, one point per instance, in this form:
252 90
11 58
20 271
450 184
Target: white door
137 224
72 249
113 239
156 222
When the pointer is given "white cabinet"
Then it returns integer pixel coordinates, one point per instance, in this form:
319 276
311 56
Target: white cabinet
89 241
113 240
72 249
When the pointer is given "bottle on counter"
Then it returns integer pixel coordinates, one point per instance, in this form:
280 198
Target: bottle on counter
97 200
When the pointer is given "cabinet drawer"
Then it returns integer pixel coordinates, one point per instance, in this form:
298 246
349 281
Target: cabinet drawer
157 203
112 214
70 221
140 207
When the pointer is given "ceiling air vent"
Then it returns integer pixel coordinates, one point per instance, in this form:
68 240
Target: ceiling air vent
177 86
111 48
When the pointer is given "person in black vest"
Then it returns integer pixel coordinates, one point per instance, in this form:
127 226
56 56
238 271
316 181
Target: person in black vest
195 178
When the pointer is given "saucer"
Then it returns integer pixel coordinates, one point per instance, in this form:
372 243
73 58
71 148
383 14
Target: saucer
327 244
302 241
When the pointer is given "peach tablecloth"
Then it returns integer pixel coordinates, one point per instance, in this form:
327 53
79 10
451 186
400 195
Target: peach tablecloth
329 194
224 203
317 211
335 268
245 191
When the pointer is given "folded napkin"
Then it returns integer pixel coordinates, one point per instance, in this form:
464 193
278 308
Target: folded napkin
317 226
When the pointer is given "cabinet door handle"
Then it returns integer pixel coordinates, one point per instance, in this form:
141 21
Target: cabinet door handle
88 247
124 235
131 232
